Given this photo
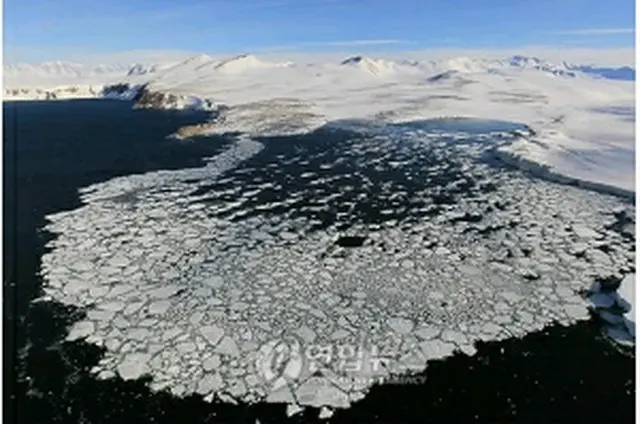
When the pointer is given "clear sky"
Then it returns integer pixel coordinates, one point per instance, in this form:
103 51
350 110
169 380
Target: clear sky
36 30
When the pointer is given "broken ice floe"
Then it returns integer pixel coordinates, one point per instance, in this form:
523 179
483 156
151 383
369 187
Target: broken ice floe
615 307
238 280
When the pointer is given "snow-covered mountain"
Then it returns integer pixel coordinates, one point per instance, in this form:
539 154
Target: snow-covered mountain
205 64
193 63
370 65
572 70
61 70
527 62
74 91
244 63
139 69
463 65
50 73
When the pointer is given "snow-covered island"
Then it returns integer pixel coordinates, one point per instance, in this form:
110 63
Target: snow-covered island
238 301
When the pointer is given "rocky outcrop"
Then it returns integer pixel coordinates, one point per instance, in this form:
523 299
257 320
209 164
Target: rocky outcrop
148 99
62 92
369 65
193 130
16 91
519 61
115 89
139 69
122 91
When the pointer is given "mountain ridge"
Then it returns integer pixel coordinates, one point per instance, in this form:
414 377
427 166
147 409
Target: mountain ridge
246 62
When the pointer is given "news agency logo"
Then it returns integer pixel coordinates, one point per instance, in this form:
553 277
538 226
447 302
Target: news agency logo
284 361
280 361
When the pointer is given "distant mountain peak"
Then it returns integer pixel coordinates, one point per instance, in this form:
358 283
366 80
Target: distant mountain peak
242 58
352 60
199 58
370 65
532 62
60 70
140 69
196 61
443 76
465 64
241 63
520 59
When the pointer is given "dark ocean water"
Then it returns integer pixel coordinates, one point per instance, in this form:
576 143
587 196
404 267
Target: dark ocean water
561 374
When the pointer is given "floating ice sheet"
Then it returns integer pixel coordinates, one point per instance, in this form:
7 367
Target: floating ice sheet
228 280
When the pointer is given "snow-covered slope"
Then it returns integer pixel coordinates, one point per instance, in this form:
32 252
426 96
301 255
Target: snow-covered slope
369 65
584 122
60 69
245 63
526 62
48 74
139 69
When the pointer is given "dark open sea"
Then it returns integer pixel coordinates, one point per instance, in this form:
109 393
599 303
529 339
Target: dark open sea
51 149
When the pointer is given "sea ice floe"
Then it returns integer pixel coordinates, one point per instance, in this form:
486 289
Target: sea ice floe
615 307
266 306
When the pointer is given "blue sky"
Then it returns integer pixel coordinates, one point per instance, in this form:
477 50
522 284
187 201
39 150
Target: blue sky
37 30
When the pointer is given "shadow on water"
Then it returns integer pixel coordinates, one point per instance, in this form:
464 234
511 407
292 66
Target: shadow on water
557 375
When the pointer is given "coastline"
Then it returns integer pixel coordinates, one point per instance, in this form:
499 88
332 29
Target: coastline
510 155
545 172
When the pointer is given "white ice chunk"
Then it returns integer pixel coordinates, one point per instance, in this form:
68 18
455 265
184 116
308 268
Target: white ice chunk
325 413
584 232
210 383
212 333
318 392
437 349
227 346
134 366
80 330
281 392
294 409
427 332
159 307
400 325
211 363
